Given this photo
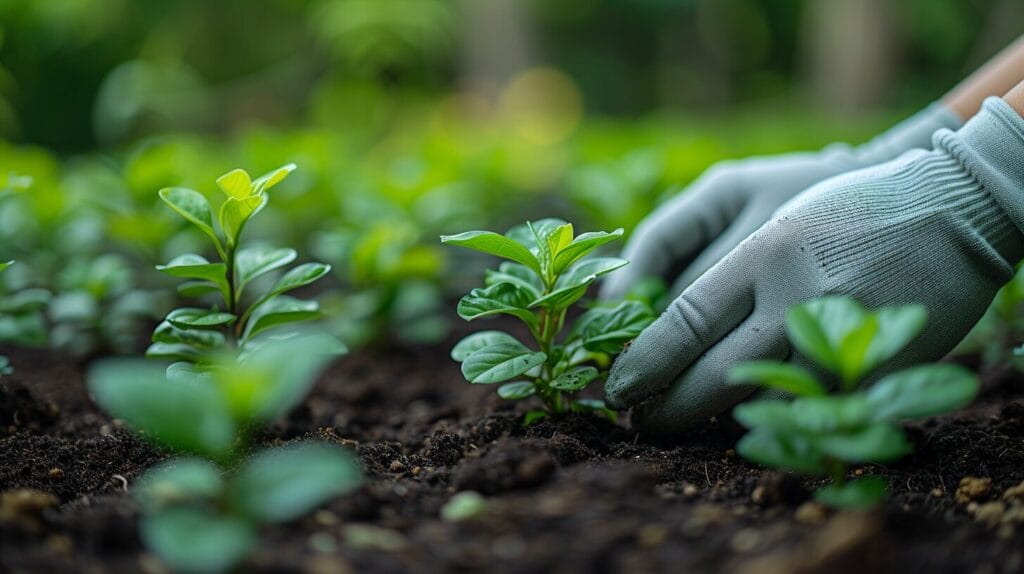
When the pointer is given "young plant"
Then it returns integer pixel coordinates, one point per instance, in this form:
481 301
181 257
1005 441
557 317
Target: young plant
190 333
22 318
203 511
823 433
547 273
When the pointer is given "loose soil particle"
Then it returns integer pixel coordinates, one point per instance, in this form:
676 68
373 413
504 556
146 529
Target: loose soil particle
577 494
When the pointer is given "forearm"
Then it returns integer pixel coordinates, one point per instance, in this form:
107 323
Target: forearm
1015 98
995 78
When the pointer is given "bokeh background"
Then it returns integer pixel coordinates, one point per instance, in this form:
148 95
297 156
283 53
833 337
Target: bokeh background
411 118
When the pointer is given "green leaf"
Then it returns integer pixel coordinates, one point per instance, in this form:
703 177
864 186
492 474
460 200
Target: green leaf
300 276
880 442
572 285
477 341
816 328
236 184
503 298
860 493
178 481
583 245
777 375
194 289
596 405
852 352
193 206
192 266
495 244
284 483
279 311
519 275
253 262
832 413
235 213
897 327
192 418
559 238
165 332
767 415
607 329
922 391
174 352
272 178
194 540
500 362
5 265
574 380
193 318
516 391
533 417
781 450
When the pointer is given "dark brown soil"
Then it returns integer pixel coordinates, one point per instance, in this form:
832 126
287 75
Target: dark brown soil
574 495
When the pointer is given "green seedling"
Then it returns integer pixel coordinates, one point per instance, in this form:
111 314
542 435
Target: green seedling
5 363
824 433
548 271
203 511
22 315
190 333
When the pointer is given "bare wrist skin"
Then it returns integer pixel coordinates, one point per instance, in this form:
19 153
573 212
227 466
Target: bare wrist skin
1015 98
997 76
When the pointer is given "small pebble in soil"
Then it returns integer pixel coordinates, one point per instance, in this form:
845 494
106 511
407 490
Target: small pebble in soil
24 507
937 492
972 488
56 472
325 518
327 564
368 537
465 505
1015 493
745 540
810 512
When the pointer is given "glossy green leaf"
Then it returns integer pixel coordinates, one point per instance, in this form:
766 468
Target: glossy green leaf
897 327
922 391
25 300
194 540
860 493
500 362
607 329
300 276
178 481
191 205
253 262
194 318
272 178
235 213
777 375
5 264
192 266
583 245
519 275
166 332
780 450
574 380
534 417
879 442
573 285
559 238
191 418
503 298
479 340
817 327
279 311
236 184
284 483
494 244
174 352
516 391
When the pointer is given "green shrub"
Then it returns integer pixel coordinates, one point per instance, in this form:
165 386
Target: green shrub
823 433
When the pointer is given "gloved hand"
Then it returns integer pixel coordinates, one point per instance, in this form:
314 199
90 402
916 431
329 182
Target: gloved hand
730 201
942 228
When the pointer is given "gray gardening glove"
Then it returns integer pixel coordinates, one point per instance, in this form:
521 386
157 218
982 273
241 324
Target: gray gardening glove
693 231
942 228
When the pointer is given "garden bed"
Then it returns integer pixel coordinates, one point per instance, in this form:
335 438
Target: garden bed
573 495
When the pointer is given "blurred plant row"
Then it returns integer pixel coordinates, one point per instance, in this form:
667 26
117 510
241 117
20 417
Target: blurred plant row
86 230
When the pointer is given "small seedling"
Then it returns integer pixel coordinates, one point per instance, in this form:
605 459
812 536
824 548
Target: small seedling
202 512
822 433
22 319
546 274
5 364
190 333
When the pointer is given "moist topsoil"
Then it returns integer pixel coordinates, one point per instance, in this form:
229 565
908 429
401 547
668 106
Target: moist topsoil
577 494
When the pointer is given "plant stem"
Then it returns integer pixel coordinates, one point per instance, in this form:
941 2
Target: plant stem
232 303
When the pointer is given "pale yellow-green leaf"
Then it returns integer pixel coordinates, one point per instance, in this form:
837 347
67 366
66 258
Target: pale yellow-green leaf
236 212
272 178
236 183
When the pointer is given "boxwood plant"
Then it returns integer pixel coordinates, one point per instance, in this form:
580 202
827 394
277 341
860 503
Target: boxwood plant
546 273
824 433
190 333
202 510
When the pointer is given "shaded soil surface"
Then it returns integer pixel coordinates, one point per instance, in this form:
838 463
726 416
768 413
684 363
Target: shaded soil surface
574 495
